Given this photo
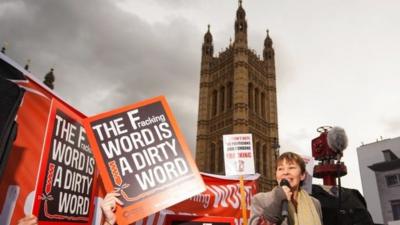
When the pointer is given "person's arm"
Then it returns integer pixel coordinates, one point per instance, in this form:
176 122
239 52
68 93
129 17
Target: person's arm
28 220
266 208
273 205
256 212
108 207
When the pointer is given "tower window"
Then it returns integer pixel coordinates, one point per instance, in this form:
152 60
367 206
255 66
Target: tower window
214 102
222 99
250 100
258 158
230 95
263 105
266 160
220 150
256 100
211 161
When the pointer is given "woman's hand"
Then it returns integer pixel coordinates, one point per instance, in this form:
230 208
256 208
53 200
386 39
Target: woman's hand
28 220
288 192
108 206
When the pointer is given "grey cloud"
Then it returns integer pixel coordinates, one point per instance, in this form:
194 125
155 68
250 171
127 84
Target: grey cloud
176 4
105 58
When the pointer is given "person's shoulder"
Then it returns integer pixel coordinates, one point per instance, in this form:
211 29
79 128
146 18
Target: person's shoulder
262 197
317 205
316 201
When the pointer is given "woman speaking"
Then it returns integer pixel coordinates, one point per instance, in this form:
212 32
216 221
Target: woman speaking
287 204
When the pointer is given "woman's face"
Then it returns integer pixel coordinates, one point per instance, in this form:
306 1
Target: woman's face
290 171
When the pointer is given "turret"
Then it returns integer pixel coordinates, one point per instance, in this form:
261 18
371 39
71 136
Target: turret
49 79
268 52
208 48
27 65
241 25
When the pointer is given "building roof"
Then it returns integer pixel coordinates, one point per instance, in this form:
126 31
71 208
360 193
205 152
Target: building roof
385 166
377 142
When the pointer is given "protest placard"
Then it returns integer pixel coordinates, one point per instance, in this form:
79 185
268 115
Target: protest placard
66 181
142 155
238 154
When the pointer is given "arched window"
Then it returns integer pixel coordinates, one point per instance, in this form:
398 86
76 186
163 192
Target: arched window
221 167
230 95
214 102
222 99
266 168
263 105
211 161
256 100
259 158
250 100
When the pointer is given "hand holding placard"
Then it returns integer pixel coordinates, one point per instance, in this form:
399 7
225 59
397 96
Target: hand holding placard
108 207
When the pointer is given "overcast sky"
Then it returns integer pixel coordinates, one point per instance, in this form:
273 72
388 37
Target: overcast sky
337 62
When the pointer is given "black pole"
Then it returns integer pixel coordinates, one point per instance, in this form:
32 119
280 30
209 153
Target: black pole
339 191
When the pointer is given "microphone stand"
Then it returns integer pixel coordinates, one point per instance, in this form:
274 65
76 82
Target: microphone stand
339 187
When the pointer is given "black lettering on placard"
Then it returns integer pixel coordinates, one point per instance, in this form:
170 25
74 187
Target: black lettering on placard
68 184
143 146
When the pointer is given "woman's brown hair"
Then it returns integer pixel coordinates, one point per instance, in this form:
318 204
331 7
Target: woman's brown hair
293 158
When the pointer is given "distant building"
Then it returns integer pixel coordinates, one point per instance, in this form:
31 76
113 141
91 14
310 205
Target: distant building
380 176
238 95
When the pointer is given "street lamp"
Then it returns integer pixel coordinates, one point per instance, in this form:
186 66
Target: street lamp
275 147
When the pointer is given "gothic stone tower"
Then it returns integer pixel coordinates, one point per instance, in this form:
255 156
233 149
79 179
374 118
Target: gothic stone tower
238 95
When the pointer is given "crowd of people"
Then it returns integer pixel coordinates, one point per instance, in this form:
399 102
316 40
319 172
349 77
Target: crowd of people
286 204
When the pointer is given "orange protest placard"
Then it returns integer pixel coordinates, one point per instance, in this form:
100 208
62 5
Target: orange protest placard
141 154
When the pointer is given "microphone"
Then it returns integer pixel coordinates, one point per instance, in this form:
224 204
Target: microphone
285 211
337 140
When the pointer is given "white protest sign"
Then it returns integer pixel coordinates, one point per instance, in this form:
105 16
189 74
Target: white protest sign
238 154
307 183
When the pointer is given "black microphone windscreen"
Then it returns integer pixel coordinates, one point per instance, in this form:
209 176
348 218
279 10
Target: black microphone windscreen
284 182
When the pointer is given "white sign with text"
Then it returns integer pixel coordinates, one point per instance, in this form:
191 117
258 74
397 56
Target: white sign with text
238 154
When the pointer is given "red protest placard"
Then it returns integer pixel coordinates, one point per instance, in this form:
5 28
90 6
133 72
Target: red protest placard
66 182
141 154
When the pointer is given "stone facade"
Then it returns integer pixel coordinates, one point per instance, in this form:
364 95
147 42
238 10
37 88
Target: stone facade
238 95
